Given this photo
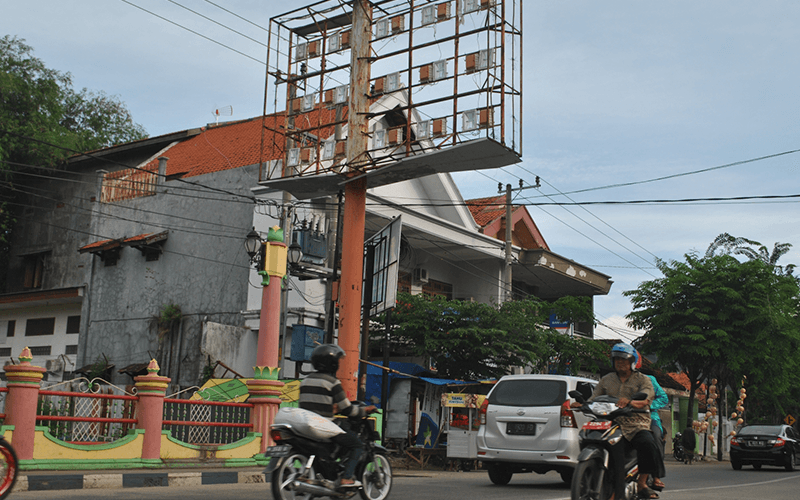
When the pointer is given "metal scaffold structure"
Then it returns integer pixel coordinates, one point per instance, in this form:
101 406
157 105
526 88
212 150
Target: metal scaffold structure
369 93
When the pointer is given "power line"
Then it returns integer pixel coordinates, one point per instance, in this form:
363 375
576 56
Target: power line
114 162
194 32
237 15
693 172
217 23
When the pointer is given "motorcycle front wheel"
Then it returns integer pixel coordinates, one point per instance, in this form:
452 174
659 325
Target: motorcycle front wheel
586 482
283 477
8 468
376 478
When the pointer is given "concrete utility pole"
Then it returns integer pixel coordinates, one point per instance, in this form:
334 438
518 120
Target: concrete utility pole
355 198
508 292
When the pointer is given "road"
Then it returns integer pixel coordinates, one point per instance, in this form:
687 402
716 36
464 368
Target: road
701 481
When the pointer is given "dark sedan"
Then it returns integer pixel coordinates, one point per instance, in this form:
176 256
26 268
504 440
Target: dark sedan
759 445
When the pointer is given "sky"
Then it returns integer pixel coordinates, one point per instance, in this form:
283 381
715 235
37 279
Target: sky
624 100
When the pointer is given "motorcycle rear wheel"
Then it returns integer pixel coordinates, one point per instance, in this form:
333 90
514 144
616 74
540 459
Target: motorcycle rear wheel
8 468
376 478
586 482
286 473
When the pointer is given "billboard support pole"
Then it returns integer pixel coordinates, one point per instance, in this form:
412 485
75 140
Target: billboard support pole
355 199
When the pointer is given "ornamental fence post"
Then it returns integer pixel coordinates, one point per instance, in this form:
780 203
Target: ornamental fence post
24 381
151 390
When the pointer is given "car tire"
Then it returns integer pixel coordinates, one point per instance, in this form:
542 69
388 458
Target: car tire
736 464
790 463
757 466
499 475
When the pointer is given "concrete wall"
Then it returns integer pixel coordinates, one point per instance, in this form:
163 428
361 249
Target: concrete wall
202 269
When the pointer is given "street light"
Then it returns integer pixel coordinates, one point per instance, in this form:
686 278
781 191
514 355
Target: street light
252 243
295 252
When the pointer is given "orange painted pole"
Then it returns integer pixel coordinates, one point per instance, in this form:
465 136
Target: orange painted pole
355 199
350 290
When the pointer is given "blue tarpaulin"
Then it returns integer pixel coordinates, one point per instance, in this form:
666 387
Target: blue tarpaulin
375 374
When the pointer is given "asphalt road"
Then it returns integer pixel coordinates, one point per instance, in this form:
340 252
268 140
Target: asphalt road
709 480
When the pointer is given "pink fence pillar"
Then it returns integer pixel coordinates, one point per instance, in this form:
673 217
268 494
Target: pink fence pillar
265 391
23 393
151 390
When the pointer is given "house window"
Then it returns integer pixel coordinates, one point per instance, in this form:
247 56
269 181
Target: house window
33 269
41 350
12 325
5 352
73 324
40 326
71 349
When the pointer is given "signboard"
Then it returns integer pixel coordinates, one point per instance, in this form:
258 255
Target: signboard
459 400
790 420
386 266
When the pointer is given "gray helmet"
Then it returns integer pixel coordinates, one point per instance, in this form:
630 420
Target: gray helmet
325 358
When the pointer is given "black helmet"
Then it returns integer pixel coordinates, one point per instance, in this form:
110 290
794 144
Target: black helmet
325 358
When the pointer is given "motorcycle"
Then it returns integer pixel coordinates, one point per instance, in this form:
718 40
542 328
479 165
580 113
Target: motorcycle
8 468
677 448
607 463
304 465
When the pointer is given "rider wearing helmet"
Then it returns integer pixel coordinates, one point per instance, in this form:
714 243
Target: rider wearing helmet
322 393
623 383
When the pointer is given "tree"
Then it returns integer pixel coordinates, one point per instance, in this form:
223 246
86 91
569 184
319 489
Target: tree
753 250
715 312
43 120
472 341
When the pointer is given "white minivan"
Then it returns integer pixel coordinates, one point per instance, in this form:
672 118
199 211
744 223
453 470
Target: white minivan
527 426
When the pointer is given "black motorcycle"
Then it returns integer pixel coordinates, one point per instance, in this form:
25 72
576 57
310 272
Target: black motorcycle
677 448
304 467
607 462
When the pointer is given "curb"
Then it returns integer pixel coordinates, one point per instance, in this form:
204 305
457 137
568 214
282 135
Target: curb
43 482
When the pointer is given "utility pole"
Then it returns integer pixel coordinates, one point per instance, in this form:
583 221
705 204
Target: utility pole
508 289
355 198
508 293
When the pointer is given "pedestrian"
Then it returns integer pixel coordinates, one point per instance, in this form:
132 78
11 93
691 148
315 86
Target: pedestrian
661 400
689 441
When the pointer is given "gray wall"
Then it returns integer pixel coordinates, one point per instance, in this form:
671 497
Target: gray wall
203 268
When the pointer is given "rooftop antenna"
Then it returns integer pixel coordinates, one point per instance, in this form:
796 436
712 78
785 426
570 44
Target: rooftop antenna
224 111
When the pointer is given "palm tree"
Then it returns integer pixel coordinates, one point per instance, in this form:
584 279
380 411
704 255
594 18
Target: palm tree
753 250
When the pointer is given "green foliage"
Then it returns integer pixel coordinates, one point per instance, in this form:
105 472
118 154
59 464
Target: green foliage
471 340
39 104
718 317
43 120
99 368
169 313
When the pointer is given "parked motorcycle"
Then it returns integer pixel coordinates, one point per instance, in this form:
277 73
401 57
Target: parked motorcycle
304 465
677 448
607 463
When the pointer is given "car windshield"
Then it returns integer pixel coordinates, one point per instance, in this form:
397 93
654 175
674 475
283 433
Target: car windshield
529 393
761 430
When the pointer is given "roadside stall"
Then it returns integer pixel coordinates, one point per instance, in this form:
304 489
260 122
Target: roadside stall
462 420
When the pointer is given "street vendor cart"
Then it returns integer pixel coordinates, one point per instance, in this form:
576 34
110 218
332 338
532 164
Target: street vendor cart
461 412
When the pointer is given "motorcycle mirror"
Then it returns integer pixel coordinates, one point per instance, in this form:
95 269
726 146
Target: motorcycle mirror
640 396
577 396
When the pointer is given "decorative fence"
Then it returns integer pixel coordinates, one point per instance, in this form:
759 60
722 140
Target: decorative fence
57 429
207 422
86 417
